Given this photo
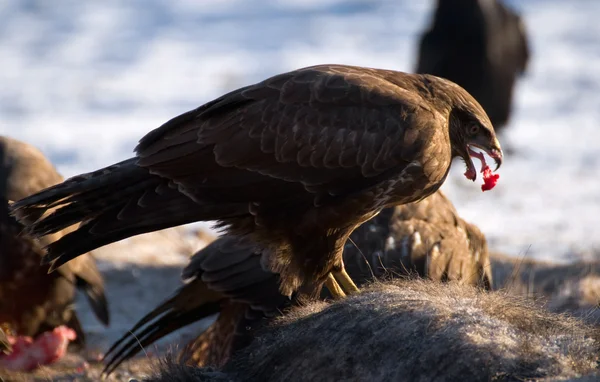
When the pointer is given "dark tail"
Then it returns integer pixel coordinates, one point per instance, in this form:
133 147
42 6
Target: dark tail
111 204
191 303
228 270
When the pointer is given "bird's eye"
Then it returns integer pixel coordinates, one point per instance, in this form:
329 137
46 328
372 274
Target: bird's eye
473 129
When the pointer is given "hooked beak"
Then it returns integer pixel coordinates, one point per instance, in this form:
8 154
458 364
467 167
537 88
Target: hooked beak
493 150
496 155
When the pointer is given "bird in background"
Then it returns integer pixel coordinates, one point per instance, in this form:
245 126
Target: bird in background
482 46
31 300
425 238
295 163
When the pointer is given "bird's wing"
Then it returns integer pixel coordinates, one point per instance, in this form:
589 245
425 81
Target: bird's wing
232 266
435 208
227 269
426 237
333 129
190 303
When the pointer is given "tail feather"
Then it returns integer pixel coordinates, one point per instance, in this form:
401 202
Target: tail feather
83 210
151 334
93 183
107 228
110 204
189 304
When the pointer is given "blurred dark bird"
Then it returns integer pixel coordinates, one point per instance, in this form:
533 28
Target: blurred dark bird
295 162
427 238
31 300
481 45
5 346
412 330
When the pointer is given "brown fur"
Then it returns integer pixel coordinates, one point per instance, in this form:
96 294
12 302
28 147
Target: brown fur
415 330
172 371
31 300
572 288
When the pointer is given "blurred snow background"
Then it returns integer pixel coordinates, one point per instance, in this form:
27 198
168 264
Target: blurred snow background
84 80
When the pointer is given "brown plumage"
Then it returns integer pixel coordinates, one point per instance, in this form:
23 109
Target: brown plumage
31 300
482 46
296 162
226 277
427 238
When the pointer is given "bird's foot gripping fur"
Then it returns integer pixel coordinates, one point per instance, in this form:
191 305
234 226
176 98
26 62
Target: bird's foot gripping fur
340 284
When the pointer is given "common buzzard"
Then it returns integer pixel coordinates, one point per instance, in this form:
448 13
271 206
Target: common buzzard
295 162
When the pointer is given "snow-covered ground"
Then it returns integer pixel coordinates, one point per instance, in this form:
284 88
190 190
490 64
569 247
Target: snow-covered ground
84 80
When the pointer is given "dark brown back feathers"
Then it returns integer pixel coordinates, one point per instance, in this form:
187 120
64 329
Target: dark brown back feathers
31 300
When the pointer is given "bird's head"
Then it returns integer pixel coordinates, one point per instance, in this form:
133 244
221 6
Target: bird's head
470 128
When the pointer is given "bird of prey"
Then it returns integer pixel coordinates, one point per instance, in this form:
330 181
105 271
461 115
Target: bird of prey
295 162
31 300
427 238
482 46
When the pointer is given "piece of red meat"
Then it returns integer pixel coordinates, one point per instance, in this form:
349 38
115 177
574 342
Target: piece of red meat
47 348
489 179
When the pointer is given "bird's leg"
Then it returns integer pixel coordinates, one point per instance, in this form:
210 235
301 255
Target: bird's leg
333 287
345 281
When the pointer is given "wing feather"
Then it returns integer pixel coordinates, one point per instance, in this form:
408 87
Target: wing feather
327 118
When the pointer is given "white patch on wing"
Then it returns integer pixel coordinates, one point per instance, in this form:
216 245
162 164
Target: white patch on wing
416 240
390 244
435 251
